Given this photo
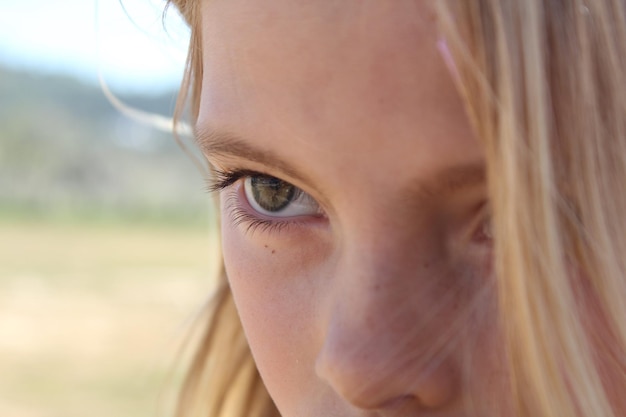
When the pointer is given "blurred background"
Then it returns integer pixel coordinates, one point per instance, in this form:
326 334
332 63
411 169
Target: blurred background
104 221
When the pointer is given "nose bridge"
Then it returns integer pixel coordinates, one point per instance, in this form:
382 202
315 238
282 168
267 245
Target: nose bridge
376 283
375 272
381 269
377 341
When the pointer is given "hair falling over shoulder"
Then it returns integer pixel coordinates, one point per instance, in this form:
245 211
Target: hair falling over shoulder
543 85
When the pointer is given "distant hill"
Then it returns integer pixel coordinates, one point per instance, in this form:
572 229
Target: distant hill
64 150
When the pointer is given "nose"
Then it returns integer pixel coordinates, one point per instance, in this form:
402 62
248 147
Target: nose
385 332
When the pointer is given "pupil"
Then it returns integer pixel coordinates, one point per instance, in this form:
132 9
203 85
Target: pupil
271 193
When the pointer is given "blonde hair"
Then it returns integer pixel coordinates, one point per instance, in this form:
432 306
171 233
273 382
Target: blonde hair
543 82
222 379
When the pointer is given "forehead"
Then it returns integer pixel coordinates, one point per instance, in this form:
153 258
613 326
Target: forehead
329 75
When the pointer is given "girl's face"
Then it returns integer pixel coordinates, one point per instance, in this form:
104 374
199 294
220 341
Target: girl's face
354 208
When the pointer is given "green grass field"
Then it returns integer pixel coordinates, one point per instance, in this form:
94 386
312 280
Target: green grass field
92 316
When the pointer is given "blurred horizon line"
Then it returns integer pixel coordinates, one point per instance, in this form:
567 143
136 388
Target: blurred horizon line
91 80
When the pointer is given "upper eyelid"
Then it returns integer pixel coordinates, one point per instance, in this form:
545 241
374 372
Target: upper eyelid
227 162
224 178
249 167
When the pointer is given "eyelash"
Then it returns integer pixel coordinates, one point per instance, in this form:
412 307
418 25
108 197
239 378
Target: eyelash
222 180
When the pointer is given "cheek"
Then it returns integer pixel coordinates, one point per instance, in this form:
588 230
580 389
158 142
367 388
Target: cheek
275 284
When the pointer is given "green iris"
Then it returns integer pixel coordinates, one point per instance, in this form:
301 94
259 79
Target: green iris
271 193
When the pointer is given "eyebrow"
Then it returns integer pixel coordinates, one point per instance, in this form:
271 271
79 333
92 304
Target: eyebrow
225 143
461 176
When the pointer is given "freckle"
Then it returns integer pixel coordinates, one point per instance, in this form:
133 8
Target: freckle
265 246
273 251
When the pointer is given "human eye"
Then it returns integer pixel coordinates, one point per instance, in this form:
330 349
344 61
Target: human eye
483 233
273 197
260 200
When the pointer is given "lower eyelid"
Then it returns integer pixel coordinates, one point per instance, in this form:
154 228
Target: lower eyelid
238 210
241 216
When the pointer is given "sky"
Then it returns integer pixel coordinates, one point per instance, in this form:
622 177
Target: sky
124 39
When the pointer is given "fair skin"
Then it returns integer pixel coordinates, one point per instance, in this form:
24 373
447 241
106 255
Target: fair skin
369 294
